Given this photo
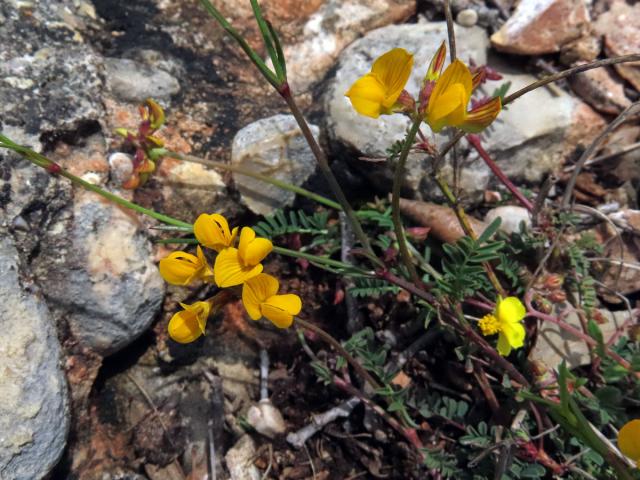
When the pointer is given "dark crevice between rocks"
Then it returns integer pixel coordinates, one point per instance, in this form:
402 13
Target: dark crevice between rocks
75 136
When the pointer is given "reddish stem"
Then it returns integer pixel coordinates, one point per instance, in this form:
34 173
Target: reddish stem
474 140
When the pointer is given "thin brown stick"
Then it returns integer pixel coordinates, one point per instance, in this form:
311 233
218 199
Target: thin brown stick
450 32
366 376
323 163
608 156
571 71
568 193
408 433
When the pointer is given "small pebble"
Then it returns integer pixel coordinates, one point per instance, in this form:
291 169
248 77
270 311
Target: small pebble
467 17
120 167
266 419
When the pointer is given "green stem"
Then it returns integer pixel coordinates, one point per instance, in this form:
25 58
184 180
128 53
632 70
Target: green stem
253 56
258 176
323 163
467 227
395 201
54 168
268 42
321 260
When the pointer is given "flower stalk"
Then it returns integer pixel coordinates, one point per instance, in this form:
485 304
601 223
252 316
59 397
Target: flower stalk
52 167
395 200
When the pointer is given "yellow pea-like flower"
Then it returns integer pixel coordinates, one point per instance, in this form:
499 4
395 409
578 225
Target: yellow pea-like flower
260 299
629 440
376 93
181 268
189 324
212 231
235 266
507 322
450 97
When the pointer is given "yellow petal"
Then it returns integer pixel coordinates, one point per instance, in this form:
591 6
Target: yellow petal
515 333
189 324
456 73
247 235
180 268
393 70
252 250
437 62
367 95
212 231
228 269
504 348
510 310
450 109
629 440
280 309
255 291
481 117
207 272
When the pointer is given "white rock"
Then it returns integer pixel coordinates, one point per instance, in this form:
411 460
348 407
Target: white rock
555 345
240 458
120 167
274 147
511 216
34 412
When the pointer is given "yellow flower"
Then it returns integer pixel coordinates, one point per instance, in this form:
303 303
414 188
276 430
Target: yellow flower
260 299
449 99
181 268
629 440
237 265
507 322
376 92
188 325
212 231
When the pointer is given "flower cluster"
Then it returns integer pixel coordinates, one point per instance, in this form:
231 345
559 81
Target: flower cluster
506 321
443 99
234 266
145 142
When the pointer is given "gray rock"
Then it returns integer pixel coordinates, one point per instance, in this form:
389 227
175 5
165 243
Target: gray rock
331 28
274 147
538 120
34 412
49 80
100 277
555 345
134 81
511 215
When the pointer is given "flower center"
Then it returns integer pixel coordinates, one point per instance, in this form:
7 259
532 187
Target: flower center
489 325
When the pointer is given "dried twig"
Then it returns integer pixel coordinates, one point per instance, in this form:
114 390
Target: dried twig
321 420
450 31
566 199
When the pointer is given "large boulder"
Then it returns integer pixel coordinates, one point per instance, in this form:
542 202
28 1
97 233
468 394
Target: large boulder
34 412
